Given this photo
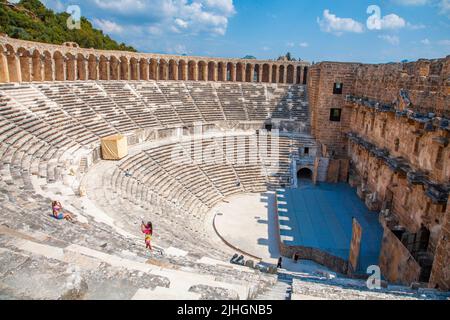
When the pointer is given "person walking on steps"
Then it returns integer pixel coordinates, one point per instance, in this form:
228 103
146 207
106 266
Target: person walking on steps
280 261
147 229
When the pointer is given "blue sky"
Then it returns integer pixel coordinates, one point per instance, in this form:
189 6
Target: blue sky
315 30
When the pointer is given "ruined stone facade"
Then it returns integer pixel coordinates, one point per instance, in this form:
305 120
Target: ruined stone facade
393 123
25 61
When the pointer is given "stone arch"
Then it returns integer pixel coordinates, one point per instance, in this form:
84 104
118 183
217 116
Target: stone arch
93 67
290 74
281 74
265 73
143 69
304 174
103 68
249 68
113 68
173 70
4 76
24 59
274 74
13 64
221 74
231 72
70 67
182 70
192 70
298 80
305 75
162 72
257 73
48 66
212 70
240 72
59 66
36 66
202 71
153 69
81 67
124 69
134 72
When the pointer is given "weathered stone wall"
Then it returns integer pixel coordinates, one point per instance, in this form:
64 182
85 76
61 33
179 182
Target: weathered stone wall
396 263
440 274
390 189
25 61
397 115
321 80
423 148
427 83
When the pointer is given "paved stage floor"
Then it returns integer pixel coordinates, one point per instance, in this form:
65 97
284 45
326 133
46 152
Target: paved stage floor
321 217
247 222
317 216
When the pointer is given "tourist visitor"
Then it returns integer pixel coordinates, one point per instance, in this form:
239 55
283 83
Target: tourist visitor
58 213
147 229
280 261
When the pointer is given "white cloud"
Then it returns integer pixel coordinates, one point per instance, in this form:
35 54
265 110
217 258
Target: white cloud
189 16
394 40
122 5
425 42
444 43
178 49
55 5
107 26
333 24
444 6
290 44
390 21
304 44
412 2
265 48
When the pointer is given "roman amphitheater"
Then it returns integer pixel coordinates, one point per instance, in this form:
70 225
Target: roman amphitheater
339 168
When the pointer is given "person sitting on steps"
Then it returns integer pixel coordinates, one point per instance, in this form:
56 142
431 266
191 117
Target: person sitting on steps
58 213
147 229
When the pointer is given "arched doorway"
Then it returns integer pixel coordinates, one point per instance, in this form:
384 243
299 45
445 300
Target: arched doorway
304 174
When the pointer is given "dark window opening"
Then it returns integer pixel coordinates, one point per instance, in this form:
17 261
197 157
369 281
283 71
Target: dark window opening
335 115
304 174
440 158
268 127
416 146
397 144
306 150
305 75
337 89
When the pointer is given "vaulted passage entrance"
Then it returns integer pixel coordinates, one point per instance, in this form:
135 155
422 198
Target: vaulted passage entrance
304 174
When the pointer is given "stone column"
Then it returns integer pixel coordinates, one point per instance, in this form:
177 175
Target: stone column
15 74
270 74
216 72
277 74
232 72
260 72
4 75
175 71
295 74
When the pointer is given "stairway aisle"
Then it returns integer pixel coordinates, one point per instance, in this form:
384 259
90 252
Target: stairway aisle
282 290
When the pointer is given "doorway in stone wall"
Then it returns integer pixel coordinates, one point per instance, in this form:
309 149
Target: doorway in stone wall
304 175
